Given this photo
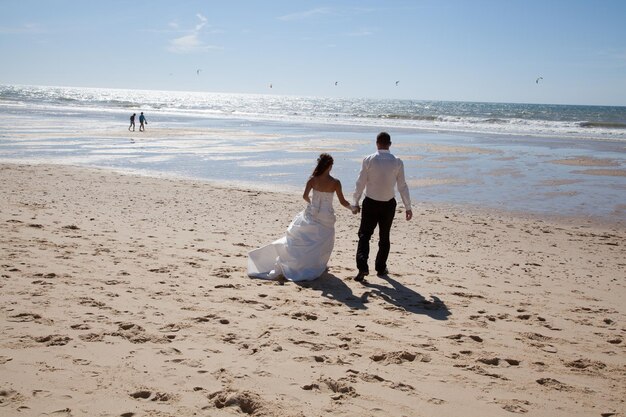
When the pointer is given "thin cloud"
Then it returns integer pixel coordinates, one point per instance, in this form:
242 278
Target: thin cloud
26 29
190 42
361 33
305 14
203 21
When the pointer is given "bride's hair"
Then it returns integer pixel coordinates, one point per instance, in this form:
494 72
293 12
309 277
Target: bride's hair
323 162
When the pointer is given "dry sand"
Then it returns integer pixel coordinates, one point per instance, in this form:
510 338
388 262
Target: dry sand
128 296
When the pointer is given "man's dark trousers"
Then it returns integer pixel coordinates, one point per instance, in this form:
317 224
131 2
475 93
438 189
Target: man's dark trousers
375 213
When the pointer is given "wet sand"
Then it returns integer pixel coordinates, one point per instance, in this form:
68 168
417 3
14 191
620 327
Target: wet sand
586 177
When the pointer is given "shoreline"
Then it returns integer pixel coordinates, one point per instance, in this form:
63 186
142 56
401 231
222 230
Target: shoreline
294 192
126 294
522 174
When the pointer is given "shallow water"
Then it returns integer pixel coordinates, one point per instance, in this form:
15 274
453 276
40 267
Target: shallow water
567 176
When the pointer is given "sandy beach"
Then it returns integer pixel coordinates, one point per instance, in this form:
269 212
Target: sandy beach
127 296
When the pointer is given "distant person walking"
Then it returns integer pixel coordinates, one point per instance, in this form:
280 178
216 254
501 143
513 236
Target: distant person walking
142 121
380 174
132 122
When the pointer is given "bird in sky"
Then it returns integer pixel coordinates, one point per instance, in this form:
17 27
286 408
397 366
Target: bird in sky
397 83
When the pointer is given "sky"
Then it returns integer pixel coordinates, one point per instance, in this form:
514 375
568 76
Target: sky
462 50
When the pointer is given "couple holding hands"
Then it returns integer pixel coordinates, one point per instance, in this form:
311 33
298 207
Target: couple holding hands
303 253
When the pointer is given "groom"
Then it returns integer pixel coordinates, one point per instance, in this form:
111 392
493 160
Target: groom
380 173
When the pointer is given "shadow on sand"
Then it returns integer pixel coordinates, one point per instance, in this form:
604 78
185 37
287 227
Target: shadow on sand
335 289
406 299
394 293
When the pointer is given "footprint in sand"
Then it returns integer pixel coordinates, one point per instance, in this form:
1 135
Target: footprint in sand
136 334
115 282
152 396
230 338
258 305
63 412
172 327
205 319
459 338
25 317
388 323
540 341
224 376
316 347
42 283
367 377
92 337
585 365
373 378
300 315
41 393
223 272
337 388
220 286
247 402
90 302
53 340
537 337
436 401
161 270
193 264
400 386
399 357
10 396
50 275
498 361
514 406
554 384
480 371
170 351
467 295
192 363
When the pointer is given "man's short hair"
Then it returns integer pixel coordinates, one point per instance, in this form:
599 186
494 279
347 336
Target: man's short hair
383 138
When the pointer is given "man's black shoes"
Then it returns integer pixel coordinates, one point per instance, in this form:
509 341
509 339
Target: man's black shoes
361 276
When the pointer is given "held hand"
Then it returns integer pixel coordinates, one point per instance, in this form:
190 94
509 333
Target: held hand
355 209
409 215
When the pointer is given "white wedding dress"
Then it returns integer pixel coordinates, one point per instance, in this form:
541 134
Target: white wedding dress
303 253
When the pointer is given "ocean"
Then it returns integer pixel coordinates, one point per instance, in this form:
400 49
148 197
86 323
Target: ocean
543 120
550 159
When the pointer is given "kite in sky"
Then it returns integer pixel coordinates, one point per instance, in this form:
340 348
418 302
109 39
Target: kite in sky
537 80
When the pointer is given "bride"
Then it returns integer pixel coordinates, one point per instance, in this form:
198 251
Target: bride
303 253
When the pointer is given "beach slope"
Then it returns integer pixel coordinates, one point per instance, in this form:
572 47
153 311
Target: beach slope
127 296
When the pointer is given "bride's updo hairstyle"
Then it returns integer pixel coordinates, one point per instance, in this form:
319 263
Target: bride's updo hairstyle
323 162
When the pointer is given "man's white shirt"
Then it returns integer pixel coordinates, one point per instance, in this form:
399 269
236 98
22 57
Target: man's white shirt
380 173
